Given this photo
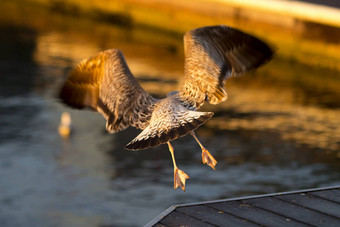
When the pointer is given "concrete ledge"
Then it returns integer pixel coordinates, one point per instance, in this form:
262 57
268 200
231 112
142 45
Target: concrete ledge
296 9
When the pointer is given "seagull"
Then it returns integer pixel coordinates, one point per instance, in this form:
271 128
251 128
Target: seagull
104 83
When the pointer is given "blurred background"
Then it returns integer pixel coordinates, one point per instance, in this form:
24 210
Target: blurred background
278 131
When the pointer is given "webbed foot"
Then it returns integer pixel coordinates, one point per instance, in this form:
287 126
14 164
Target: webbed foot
208 159
179 178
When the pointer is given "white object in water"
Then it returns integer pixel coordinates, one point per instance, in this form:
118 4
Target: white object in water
64 128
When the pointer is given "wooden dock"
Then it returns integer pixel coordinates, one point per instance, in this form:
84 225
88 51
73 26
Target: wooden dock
313 207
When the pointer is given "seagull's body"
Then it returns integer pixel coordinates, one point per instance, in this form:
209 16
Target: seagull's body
212 54
170 119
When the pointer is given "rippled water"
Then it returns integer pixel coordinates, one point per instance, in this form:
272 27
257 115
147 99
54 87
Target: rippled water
278 131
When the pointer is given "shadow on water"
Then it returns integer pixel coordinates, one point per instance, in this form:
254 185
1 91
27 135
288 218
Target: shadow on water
16 59
278 131
18 71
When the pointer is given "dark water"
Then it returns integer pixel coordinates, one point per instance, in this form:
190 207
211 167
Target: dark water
278 131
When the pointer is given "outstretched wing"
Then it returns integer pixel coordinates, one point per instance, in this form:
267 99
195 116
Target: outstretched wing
212 54
105 84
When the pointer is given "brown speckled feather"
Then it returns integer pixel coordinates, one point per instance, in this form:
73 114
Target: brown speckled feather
105 84
212 54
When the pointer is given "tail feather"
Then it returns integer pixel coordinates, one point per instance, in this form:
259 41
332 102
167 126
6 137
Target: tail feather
153 136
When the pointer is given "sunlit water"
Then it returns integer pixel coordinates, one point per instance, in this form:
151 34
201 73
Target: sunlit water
271 135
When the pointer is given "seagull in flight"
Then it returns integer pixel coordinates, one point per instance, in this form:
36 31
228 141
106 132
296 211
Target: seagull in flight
104 83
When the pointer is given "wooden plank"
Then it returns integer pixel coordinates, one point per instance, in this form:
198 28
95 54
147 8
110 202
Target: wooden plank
331 195
255 214
318 207
160 225
178 219
213 216
315 203
157 219
259 196
294 212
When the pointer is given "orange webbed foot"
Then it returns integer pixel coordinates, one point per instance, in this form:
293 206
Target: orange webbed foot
179 178
208 159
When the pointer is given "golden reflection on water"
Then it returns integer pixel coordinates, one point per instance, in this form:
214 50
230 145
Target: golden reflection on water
58 49
271 110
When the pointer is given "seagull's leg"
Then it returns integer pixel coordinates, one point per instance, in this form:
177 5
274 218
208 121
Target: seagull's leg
207 158
179 175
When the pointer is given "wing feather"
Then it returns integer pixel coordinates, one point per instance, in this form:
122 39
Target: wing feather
213 54
105 84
